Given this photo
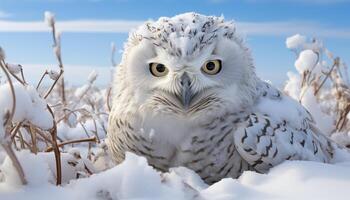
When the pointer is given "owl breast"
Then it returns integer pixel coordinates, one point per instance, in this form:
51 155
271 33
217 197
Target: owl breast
208 148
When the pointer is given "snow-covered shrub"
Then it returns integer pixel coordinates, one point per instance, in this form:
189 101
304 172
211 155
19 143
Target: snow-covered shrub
64 125
321 85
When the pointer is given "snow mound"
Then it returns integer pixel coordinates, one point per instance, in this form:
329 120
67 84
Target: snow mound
307 60
135 179
29 105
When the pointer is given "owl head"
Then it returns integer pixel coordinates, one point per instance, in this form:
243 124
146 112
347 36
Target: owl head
189 64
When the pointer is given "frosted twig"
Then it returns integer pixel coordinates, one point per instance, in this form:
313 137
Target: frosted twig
49 17
16 77
53 85
41 79
24 80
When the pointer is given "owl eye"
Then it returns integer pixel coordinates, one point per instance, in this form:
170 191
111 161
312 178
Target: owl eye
158 69
212 67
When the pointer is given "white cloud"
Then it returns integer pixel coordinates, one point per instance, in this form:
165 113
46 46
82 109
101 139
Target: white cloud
70 26
288 28
283 28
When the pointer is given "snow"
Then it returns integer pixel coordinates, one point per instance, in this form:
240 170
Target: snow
92 76
49 18
135 179
292 86
295 41
82 90
29 105
306 61
14 68
323 121
54 75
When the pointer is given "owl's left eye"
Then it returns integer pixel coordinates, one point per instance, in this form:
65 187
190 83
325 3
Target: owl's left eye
158 69
212 67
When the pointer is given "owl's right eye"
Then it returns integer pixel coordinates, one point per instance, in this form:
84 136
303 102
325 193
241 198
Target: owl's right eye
158 69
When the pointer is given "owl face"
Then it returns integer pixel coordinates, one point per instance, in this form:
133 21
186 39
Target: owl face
183 73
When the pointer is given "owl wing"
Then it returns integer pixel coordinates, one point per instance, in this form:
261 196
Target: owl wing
279 129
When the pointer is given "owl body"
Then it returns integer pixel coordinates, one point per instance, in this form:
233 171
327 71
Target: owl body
208 148
186 94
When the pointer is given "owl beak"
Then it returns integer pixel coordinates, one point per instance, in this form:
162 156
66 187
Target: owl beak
186 93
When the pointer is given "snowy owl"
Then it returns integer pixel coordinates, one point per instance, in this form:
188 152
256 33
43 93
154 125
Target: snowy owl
186 94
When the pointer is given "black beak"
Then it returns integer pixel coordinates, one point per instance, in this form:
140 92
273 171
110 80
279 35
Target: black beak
186 94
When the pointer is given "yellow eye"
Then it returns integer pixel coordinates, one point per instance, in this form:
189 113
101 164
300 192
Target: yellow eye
212 67
158 69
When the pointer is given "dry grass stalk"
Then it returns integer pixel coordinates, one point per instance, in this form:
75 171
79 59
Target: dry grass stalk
93 139
335 64
53 85
57 152
57 48
41 79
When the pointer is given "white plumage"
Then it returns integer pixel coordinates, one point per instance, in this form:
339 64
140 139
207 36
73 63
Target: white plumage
186 94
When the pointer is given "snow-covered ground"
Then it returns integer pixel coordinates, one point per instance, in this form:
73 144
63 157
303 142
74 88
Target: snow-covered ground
135 179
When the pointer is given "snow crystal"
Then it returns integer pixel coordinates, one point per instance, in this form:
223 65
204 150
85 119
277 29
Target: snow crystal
306 61
295 41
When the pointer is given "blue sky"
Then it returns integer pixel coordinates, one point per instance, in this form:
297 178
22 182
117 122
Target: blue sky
89 26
